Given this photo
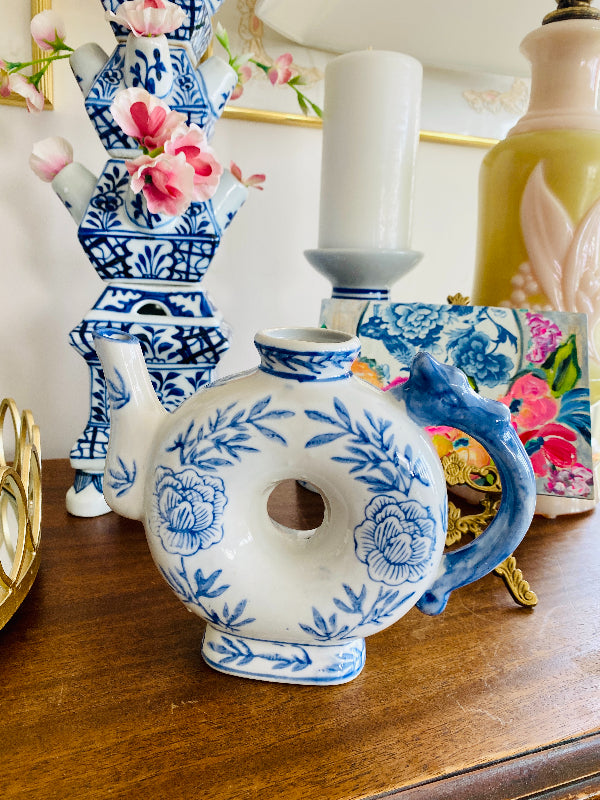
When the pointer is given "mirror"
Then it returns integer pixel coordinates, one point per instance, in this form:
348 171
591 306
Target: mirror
475 84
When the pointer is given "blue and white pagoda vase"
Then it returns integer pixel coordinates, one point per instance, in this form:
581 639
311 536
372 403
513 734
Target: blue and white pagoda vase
282 604
152 265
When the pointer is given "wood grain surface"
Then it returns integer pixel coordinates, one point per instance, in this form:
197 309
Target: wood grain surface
104 694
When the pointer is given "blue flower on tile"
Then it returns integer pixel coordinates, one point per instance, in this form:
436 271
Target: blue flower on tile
395 540
474 355
188 510
418 322
405 328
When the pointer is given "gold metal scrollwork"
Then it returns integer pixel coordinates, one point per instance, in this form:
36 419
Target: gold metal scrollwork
460 473
20 508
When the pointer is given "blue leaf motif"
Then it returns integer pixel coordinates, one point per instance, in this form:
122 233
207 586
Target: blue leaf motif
118 394
121 480
226 433
323 438
342 411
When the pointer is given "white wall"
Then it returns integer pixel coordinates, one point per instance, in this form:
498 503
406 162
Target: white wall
259 277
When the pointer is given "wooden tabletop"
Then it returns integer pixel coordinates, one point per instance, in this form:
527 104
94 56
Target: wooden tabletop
104 694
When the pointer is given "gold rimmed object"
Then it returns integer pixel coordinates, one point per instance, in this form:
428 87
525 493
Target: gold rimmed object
572 9
20 508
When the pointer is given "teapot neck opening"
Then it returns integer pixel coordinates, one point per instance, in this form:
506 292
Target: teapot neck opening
306 354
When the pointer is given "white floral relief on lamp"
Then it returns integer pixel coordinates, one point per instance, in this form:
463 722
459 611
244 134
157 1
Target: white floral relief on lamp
564 259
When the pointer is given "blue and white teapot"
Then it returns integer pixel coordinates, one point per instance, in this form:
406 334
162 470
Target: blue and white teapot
296 606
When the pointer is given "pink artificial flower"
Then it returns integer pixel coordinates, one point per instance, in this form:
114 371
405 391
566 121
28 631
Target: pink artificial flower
530 403
550 446
252 182
191 141
4 79
50 156
244 74
280 72
545 336
166 181
148 17
48 30
21 85
145 117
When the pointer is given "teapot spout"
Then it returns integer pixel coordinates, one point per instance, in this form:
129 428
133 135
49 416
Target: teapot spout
87 62
219 81
230 196
75 185
135 416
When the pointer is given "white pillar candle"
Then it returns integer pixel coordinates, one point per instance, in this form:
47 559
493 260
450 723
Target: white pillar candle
371 120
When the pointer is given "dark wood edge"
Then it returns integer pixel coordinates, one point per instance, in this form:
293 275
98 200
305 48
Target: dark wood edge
566 771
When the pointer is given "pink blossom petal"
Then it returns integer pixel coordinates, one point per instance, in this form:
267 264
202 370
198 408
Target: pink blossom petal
236 171
49 156
148 17
47 28
191 142
21 85
252 182
145 117
166 181
4 79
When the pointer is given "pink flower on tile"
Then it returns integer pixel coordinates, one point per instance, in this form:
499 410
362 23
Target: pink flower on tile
280 72
49 156
166 181
253 182
191 141
396 382
545 336
4 79
148 17
577 479
530 403
550 446
145 117
21 85
48 30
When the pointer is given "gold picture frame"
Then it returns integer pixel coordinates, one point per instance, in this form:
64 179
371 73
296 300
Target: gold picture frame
281 118
46 85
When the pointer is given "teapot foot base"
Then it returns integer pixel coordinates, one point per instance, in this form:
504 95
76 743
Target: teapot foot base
283 662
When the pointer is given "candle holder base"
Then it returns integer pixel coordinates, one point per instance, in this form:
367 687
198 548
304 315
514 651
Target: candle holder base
362 274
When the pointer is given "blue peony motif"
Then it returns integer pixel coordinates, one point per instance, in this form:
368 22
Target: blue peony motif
396 540
406 327
188 510
473 354
419 322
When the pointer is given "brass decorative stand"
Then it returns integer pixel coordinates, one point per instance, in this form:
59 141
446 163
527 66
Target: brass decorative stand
20 509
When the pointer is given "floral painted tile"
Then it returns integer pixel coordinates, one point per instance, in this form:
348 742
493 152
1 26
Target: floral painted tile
534 362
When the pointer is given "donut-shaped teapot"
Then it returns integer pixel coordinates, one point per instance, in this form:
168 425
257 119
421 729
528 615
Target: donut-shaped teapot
296 606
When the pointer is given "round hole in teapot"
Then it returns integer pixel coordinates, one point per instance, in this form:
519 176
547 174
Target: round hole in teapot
296 507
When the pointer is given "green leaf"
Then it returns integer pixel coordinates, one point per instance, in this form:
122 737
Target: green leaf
317 110
302 104
562 367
